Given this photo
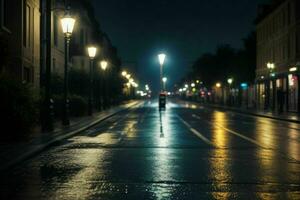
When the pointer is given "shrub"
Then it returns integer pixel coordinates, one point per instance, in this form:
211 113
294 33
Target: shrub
19 108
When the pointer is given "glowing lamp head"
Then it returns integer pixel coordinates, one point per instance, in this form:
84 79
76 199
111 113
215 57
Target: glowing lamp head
128 76
67 23
186 86
193 85
124 73
270 66
103 65
164 79
161 58
92 51
230 81
218 85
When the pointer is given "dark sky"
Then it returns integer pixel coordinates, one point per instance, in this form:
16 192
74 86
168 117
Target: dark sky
183 29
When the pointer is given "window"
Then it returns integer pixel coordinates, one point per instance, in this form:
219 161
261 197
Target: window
6 5
26 24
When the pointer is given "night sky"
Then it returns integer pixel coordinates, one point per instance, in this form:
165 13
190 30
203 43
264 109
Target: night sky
184 30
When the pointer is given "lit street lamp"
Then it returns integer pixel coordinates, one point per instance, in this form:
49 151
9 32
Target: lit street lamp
230 81
271 67
161 58
124 73
92 53
104 65
67 26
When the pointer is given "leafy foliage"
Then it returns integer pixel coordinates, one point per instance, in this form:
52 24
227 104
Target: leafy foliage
227 62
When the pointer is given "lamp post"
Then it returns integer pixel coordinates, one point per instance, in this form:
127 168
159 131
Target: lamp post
67 23
103 65
271 67
161 58
92 53
219 85
164 83
230 81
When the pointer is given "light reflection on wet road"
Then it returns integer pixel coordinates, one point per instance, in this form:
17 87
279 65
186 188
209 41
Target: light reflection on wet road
185 152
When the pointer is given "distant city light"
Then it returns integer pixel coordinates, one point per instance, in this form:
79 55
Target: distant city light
293 69
218 85
124 73
270 65
244 85
230 81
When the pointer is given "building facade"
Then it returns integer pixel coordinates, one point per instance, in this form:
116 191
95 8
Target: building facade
278 56
20 33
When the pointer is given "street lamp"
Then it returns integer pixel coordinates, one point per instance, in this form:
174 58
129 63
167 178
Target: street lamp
161 58
67 23
193 85
230 81
124 73
92 53
164 83
218 85
104 65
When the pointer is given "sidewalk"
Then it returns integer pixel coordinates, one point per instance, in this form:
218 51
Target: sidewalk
14 153
289 117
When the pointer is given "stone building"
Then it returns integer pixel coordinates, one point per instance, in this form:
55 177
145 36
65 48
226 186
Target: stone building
278 56
20 35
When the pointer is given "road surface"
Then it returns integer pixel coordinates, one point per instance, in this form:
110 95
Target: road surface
185 152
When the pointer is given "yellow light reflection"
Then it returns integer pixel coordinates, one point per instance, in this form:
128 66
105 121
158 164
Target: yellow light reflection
220 171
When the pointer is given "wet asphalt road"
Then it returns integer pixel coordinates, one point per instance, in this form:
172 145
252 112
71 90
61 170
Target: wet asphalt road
185 152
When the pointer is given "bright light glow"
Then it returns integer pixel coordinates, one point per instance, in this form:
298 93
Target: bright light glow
197 81
124 73
164 79
103 64
67 24
128 76
270 65
186 86
180 90
184 89
293 69
273 74
92 51
230 81
244 85
262 77
193 85
291 80
218 85
131 80
194 90
161 58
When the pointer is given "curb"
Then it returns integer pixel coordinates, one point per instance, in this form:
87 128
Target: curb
248 113
40 148
254 114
